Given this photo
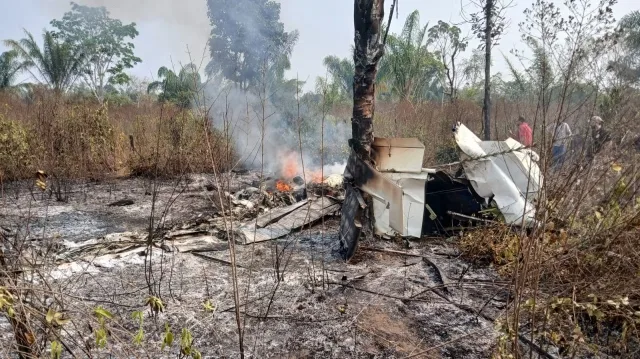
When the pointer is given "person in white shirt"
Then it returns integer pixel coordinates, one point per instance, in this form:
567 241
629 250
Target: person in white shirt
561 138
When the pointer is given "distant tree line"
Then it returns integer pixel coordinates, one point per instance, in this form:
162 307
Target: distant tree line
88 53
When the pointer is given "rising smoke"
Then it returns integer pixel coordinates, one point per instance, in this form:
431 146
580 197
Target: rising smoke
176 25
264 134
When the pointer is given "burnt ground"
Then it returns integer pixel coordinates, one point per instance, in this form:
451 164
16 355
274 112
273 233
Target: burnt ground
87 213
381 305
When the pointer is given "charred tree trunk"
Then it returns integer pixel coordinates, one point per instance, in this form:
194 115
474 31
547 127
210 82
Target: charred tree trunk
486 108
357 210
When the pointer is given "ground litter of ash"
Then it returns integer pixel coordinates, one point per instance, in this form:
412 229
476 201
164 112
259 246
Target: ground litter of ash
87 212
378 307
298 298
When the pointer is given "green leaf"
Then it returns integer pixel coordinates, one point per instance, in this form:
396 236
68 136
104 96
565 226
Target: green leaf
208 307
186 340
167 339
155 304
101 337
50 315
138 315
56 350
139 337
100 312
530 303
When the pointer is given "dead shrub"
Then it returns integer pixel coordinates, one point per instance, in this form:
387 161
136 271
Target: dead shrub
14 149
496 245
432 123
175 144
79 139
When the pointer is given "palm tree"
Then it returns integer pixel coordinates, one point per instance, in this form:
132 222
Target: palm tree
178 88
630 25
408 69
57 64
341 72
10 67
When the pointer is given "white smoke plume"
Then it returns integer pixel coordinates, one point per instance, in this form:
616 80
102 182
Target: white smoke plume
246 116
178 24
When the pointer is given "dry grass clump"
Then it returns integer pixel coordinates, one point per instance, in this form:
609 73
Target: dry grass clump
577 281
14 148
494 245
174 145
80 139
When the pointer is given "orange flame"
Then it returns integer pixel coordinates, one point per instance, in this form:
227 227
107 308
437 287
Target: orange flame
283 186
290 166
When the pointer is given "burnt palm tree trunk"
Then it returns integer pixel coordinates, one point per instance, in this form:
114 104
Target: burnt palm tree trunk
357 210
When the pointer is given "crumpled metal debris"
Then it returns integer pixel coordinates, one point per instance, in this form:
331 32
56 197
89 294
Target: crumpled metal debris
408 200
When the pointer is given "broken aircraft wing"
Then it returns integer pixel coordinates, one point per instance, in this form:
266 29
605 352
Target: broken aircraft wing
504 171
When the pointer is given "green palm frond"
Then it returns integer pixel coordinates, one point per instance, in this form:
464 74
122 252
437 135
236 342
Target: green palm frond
10 66
517 76
57 64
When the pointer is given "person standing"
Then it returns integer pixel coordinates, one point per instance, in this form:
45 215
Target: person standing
599 136
525 133
561 136
578 146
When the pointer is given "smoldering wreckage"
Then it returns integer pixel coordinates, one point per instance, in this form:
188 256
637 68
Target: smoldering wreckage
496 180
412 201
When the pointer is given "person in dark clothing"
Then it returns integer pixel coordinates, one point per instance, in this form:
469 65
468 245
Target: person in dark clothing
599 136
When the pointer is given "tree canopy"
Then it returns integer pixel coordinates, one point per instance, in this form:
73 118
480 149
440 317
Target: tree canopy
338 87
449 44
104 42
177 88
409 70
627 67
247 39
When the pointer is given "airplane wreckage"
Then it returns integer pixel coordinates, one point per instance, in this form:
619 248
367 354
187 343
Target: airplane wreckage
498 180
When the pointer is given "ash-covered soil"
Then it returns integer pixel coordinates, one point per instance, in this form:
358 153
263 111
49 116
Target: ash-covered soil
298 299
92 210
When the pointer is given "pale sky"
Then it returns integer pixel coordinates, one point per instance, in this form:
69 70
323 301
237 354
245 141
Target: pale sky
167 27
